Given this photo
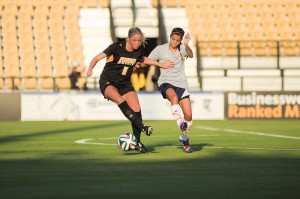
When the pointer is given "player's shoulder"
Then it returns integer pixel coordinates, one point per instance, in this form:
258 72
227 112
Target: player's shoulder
120 44
163 47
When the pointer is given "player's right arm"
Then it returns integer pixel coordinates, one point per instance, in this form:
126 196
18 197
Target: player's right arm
93 63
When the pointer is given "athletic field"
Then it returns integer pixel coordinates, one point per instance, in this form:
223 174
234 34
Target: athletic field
231 159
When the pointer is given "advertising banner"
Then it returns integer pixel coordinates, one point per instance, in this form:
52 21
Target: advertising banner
92 106
262 105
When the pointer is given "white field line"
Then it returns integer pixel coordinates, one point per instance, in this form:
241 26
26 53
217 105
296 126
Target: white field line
250 148
89 141
248 132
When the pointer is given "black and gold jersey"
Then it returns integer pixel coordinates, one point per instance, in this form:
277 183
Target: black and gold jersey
120 63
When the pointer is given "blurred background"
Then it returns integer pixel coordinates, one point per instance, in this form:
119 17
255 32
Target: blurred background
239 45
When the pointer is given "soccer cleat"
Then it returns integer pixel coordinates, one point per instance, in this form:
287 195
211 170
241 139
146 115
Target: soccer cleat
148 130
186 146
141 147
183 127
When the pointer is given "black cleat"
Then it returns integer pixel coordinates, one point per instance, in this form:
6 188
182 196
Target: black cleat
148 130
186 146
141 147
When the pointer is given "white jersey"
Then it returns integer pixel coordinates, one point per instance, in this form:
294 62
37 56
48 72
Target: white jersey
175 76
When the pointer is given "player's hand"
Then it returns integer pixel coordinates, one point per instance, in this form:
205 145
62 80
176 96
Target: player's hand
89 73
136 66
168 64
187 38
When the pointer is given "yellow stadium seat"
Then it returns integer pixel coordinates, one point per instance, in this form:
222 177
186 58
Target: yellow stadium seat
44 66
82 82
289 48
104 3
243 36
45 71
29 83
142 80
1 67
56 21
41 8
246 48
228 35
257 36
95 3
11 67
10 8
135 81
72 8
230 48
40 21
63 82
1 64
214 35
12 82
46 83
56 10
26 9
28 66
154 3
61 71
91 3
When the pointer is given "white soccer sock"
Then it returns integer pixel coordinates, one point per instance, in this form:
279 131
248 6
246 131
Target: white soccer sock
177 114
189 125
183 137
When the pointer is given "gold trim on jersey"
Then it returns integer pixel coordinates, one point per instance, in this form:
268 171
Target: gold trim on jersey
127 61
110 59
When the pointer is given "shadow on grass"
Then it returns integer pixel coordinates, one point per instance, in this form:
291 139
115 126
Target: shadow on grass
16 138
225 175
195 147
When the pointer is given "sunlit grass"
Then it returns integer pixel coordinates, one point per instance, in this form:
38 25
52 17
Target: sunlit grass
43 160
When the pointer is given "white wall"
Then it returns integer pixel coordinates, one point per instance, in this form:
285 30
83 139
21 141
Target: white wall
92 106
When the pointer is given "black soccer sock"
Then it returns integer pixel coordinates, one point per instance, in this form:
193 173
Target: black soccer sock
135 130
131 115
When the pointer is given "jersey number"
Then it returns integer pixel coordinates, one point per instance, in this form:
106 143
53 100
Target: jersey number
125 69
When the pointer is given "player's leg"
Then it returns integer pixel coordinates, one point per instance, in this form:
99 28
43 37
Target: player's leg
175 108
137 133
186 107
112 93
133 102
182 122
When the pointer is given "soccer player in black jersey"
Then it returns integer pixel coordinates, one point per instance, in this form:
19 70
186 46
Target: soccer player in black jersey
115 79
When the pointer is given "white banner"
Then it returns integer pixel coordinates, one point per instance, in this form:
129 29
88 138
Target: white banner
207 105
92 106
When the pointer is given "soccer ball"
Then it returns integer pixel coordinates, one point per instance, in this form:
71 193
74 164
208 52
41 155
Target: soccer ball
127 141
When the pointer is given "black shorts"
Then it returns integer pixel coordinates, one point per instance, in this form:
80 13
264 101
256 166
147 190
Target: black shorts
181 92
103 84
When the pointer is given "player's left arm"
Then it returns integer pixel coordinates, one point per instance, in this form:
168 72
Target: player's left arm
187 38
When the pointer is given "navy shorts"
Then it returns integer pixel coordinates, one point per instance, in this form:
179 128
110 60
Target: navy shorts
181 92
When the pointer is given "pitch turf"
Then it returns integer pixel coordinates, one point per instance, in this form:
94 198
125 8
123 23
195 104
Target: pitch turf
231 159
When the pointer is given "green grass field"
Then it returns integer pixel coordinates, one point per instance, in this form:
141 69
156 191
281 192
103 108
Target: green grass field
231 159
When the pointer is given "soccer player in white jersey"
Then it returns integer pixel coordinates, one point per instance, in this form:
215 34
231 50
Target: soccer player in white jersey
173 82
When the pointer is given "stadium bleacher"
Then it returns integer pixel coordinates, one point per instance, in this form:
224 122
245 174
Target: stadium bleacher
241 45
